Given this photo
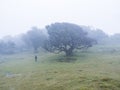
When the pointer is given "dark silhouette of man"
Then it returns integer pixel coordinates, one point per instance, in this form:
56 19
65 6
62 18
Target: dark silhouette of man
35 58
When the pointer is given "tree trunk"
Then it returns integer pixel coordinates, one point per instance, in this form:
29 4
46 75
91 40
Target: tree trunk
69 52
35 50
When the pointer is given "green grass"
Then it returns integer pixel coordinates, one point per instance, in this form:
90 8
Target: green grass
96 69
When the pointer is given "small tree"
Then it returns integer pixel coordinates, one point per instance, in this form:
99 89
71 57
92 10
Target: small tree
35 38
66 37
7 47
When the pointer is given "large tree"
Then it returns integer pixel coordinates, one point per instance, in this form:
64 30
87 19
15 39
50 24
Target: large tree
66 37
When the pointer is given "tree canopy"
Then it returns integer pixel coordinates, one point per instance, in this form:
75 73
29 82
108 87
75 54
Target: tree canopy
35 38
66 37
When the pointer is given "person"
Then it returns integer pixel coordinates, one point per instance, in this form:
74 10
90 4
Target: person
35 58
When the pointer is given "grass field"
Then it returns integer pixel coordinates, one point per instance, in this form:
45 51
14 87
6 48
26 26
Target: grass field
96 69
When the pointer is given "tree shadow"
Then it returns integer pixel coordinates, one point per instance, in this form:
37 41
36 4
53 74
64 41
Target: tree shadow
67 59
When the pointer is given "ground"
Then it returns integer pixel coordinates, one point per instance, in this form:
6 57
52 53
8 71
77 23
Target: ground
95 69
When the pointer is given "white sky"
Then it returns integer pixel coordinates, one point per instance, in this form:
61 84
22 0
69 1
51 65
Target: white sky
18 16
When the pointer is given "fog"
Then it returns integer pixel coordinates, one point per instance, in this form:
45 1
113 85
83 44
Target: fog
59 45
56 36
18 16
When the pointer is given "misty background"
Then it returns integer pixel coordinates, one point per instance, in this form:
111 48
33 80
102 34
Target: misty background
18 16
23 22
59 45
